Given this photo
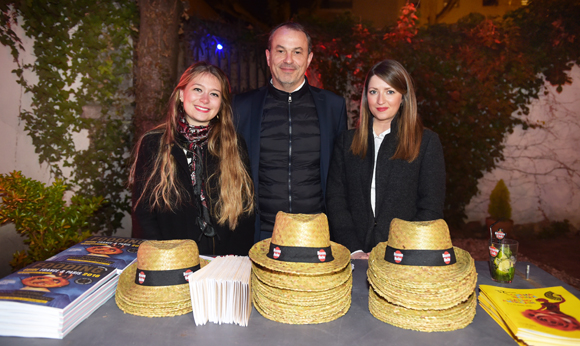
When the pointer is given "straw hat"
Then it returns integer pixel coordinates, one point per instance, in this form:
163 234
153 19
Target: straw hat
300 244
456 317
155 285
297 282
301 298
294 307
299 276
419 268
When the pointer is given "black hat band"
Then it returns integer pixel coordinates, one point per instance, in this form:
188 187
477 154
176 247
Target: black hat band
163 277
300 254
425 258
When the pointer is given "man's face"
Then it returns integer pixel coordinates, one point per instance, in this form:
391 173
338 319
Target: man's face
288 58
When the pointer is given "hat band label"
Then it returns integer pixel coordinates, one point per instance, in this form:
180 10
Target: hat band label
300 254
425 258
163 277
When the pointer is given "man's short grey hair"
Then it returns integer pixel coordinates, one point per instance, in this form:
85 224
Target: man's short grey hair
292 26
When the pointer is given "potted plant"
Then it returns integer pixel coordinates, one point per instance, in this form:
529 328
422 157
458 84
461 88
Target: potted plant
42 216
499 209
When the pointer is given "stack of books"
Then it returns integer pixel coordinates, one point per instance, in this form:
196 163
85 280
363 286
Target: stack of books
220 292
49 298
113 252
541 316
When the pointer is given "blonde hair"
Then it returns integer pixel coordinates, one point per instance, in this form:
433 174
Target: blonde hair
162 190
409 125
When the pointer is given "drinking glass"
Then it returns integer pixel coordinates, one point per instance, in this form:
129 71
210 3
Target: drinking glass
502 259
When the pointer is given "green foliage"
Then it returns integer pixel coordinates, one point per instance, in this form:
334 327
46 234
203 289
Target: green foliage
344 50
499 202
83 51
7 36
549 32
555 229
471 77
42 217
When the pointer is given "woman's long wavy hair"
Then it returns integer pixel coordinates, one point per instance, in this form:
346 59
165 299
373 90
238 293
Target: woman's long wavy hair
162 190
409 125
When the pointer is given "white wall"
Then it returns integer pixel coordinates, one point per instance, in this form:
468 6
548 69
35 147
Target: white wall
542 166
17 149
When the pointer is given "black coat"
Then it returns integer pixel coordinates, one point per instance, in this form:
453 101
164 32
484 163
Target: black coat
248 112
181 224
410 191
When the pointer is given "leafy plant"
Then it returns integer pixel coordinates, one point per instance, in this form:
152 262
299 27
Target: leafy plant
83 60
499 202
555 229
474 79
42 217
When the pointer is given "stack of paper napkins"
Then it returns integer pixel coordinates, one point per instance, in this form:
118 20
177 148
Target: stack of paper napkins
220 292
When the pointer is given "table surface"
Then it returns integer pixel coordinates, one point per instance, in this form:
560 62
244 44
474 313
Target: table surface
110 326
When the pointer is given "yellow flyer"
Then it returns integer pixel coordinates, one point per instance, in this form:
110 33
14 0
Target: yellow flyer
488 307
548 314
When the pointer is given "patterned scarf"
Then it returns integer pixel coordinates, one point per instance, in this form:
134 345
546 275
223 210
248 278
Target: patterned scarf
194 139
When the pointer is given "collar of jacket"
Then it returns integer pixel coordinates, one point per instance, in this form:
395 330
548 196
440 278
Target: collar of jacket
392 136
282 95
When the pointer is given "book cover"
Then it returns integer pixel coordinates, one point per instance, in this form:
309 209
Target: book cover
115 252
490 309
51 284
45 325
550 313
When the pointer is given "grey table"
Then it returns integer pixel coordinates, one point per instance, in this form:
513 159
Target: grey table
110 326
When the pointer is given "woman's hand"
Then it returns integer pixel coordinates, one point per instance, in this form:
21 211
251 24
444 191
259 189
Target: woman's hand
360 255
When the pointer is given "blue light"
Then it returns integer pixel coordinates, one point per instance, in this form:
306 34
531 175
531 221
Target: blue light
219 46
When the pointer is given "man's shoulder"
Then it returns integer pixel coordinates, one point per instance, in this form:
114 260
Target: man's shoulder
249 95
326 93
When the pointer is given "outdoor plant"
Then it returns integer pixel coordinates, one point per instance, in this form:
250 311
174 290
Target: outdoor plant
499 202
83 69
42 216
555 229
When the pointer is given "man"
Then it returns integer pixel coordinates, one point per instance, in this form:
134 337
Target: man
289 127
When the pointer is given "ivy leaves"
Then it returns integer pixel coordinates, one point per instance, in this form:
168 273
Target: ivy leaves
84 53
471 77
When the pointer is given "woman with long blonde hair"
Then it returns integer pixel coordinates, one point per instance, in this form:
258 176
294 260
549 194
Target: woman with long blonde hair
390 166
190 176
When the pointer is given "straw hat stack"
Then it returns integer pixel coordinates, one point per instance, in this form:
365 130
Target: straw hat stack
419 280
299 276
155 285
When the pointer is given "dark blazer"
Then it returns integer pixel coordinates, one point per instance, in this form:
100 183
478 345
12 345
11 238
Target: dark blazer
181 224
248 109
410 191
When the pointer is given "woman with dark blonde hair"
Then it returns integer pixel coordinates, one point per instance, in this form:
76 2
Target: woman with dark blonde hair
190 177
389 167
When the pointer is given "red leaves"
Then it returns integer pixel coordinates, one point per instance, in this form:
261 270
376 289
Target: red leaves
406 25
